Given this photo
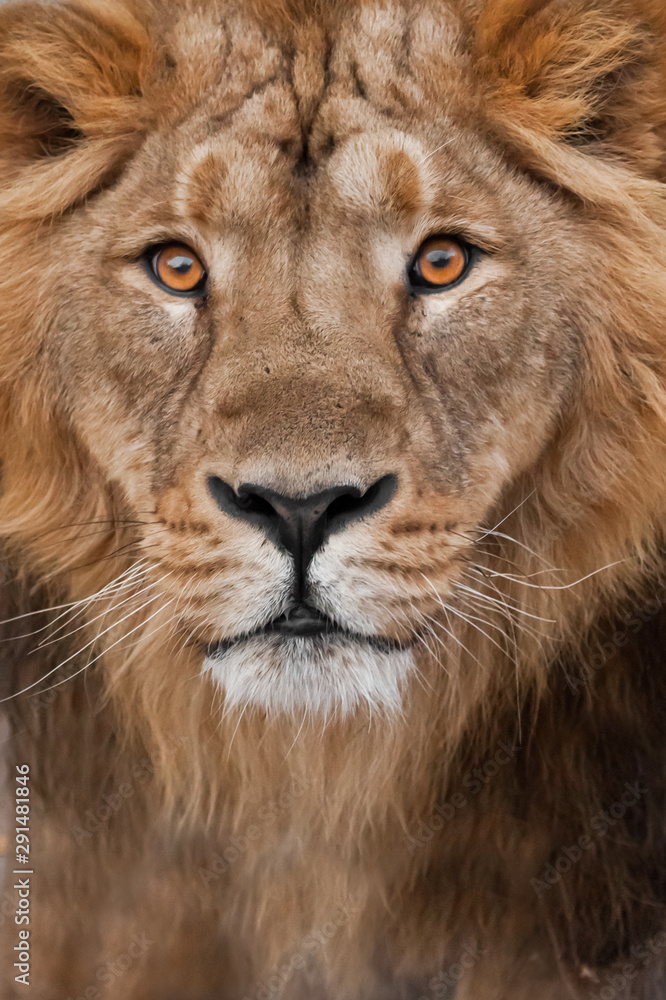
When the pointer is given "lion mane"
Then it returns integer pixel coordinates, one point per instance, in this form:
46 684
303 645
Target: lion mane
485 816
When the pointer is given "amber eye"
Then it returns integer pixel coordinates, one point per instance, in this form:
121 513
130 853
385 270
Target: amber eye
178 269
440 262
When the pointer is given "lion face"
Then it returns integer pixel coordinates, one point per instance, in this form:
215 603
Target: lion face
330 303
313 435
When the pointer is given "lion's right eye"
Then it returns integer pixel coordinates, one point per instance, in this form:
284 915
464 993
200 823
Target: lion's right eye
177 269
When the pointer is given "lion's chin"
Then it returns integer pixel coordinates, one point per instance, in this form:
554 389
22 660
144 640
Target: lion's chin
318 675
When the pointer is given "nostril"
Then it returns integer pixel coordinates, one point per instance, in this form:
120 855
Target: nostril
348 503
254 504
245 503
224 495
352 506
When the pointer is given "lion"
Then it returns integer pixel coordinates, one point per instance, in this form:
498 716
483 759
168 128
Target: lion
333 496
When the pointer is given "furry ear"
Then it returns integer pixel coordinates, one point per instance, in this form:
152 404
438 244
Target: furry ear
70 98
586 74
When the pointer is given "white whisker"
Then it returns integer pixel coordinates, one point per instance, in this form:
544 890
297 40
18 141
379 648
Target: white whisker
61 638
82 604
29 687
522 545
428 155
105 650
505 604
564 586
491 531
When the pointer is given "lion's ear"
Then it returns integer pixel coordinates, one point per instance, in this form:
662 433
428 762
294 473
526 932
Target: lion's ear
70 90
588 74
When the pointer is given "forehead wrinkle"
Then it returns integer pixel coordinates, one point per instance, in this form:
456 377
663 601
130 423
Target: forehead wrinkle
233 171
269 114
225 53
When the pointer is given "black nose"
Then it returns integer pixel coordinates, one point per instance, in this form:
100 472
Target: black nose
301 526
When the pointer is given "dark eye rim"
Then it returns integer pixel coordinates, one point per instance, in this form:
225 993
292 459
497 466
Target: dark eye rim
421 286
149 262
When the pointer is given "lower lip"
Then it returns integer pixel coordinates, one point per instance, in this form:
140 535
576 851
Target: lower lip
312 634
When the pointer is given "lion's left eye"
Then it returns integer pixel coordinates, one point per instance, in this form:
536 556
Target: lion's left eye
177 269
439 263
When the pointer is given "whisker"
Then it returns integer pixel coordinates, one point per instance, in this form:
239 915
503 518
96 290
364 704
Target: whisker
49 642
99 595
233 735
300 730
427 157
123 549
415 635
564 586
115 522
514 613
512 607
446 608
124 582
522 545
515 626
466 618
147 635
491 531
490 554
104 651
450 633
78 652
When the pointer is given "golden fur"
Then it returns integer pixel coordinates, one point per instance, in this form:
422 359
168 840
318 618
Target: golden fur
408 848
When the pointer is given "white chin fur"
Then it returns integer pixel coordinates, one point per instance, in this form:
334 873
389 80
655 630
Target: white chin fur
318 675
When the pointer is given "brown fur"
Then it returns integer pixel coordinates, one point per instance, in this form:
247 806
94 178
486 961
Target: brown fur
306 150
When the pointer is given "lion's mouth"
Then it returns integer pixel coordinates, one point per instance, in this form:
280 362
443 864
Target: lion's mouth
305 622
